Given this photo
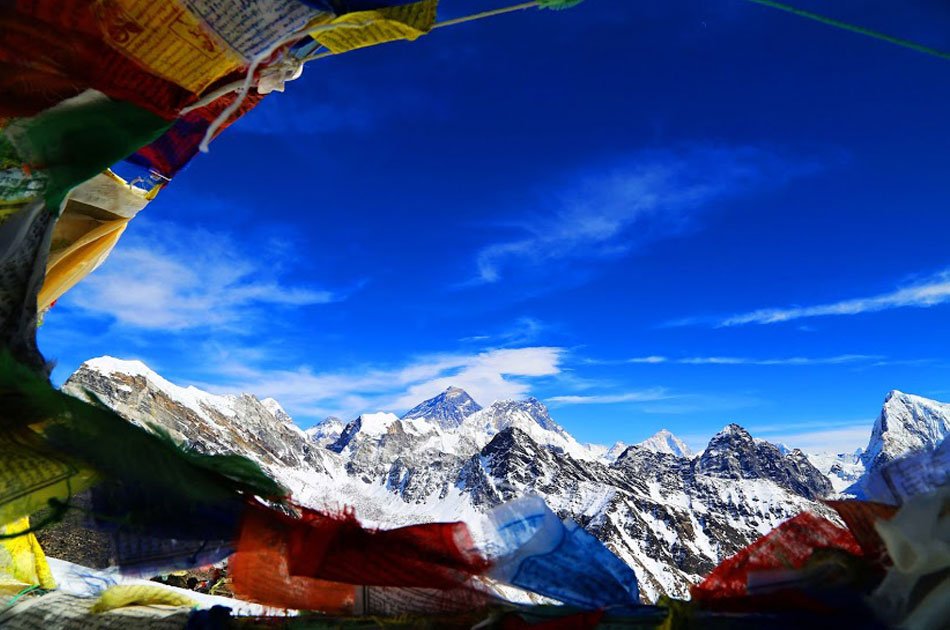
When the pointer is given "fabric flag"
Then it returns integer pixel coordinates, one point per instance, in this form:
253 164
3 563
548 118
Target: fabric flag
341 7
122 595
94 217
53 50
538 552
164 505
788 546
368 28
22 561
168 40
79 138
916 591
395 601
860 518
251 27
30 475
194 43
24 241
259 571
173 150
916 473
315 560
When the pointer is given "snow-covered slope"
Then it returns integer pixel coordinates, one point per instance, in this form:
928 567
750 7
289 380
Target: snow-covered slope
907 423
327 431
842 469
665 442
528 415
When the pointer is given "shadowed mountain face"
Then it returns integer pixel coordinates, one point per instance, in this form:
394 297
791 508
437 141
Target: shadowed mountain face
670 515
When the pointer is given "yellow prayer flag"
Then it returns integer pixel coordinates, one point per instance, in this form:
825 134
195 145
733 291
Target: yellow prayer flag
368 28
94 217
22 560
122 595
168 40
30 476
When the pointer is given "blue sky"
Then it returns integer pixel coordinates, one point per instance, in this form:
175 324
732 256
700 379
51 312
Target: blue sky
645 215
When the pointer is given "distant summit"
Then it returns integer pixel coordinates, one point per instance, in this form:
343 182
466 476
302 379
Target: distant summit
665 442
448 408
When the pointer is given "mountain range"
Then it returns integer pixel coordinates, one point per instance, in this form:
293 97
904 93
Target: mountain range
670 514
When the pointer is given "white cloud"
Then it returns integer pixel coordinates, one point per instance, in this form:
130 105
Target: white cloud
657 393
523 331
810 437
928 292
842 439
161 277
649 359
716 360
487 376
615 211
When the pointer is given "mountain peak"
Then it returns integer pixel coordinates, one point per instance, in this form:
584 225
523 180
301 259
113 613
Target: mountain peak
734 454
111 365
663 441
907 423
276 410
448 409
532 418
734 429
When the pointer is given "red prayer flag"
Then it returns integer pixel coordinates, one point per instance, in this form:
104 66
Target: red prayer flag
788 546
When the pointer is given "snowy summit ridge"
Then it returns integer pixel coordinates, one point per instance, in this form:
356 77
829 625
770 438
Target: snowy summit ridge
449 408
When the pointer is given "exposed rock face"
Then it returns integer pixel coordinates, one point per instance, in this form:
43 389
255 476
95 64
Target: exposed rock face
734 454
203 421
672 517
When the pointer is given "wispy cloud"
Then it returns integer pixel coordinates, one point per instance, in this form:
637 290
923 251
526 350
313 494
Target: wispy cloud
490 375
810 437
524 331
162 277
657 393
830 438
649 359
840 359
656 195
929 291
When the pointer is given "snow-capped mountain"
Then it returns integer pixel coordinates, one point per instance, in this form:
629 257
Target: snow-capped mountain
841 469
449 408
607 455
204 421
907 424
734 454
665 442
670 515
327 431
